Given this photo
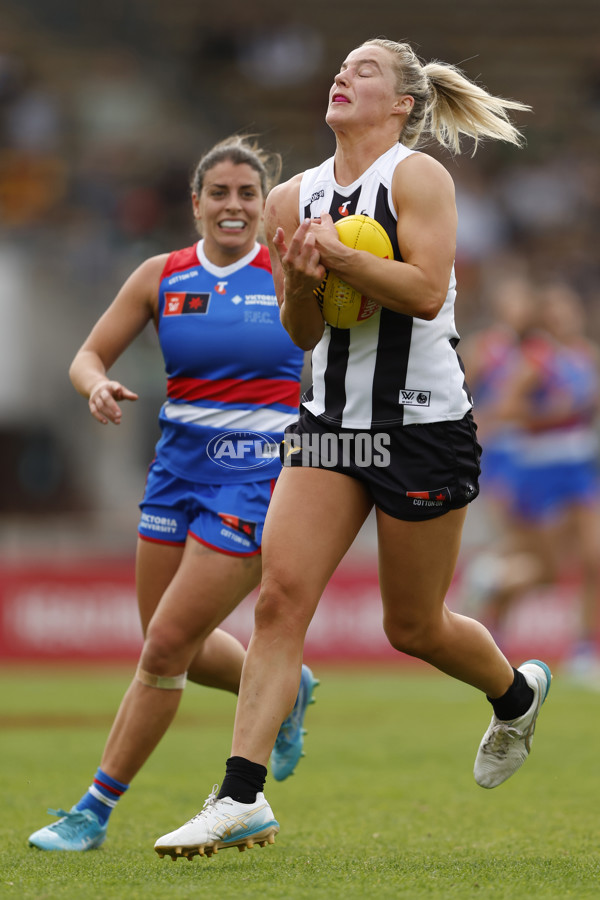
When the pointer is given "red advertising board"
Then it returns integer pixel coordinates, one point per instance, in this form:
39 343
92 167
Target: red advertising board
86 610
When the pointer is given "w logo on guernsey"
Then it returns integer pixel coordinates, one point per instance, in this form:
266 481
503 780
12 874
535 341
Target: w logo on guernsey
242 450
414 398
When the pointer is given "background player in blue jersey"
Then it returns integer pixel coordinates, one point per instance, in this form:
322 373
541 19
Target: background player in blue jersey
233 385
492 356
382 100
551 401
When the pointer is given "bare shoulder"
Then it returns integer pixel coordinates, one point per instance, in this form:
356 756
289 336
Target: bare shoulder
422 171
141 288
148 273
285 193
291 186
282 202
153 266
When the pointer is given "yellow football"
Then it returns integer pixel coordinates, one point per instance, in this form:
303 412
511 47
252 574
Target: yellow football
342 305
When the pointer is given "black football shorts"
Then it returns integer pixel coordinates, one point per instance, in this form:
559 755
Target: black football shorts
412 472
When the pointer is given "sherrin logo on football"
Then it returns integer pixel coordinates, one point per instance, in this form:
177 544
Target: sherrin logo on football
342 305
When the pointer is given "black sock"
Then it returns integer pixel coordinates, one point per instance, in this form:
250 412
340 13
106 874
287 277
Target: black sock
243 780
515 701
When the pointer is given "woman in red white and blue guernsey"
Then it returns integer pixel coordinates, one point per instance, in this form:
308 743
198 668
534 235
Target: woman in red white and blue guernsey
233 385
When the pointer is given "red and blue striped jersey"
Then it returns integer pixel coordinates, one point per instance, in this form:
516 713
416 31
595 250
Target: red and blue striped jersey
231 367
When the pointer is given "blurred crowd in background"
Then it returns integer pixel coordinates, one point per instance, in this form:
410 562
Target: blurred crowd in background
104 112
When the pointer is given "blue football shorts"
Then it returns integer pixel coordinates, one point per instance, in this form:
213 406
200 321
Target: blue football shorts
543 492
498 467
228 518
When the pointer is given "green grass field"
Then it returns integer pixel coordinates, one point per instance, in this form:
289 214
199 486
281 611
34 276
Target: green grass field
384 804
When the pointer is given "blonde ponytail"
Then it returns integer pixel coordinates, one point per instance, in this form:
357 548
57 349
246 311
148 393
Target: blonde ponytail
459 106
447 103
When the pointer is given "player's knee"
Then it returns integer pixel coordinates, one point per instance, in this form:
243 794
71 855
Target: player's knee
165 651
412 637
271 602
280 607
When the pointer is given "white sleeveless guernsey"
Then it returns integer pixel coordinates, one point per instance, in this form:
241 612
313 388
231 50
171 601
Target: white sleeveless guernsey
392 369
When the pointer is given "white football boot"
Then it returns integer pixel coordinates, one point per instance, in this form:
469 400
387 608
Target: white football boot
221 823
506 744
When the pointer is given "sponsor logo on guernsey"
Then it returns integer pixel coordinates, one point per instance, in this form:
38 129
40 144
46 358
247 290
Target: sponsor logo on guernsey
260 317
242 450
220 287
343 209
183 276
430 498
414 398
255 300
317 196
179 303
261 300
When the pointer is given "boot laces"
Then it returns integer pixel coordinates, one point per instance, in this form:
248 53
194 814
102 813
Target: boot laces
500 738
208 803
70 823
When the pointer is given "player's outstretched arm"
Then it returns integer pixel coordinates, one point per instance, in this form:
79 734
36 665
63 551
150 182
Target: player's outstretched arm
131 310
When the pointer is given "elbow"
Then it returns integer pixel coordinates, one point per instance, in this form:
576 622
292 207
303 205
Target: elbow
431 306
428 315
305 335
304 341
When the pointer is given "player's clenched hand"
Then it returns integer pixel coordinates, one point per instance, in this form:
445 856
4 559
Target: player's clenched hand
300 260
103 401
327 241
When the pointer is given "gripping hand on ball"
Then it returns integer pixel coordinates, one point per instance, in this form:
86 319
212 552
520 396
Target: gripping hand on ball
301 263
302 272
327 242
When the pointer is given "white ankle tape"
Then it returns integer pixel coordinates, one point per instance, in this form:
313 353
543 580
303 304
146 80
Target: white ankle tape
165 682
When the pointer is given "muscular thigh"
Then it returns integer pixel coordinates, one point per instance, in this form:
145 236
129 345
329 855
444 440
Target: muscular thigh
199 548
416 563
207 586
156 566
313 518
